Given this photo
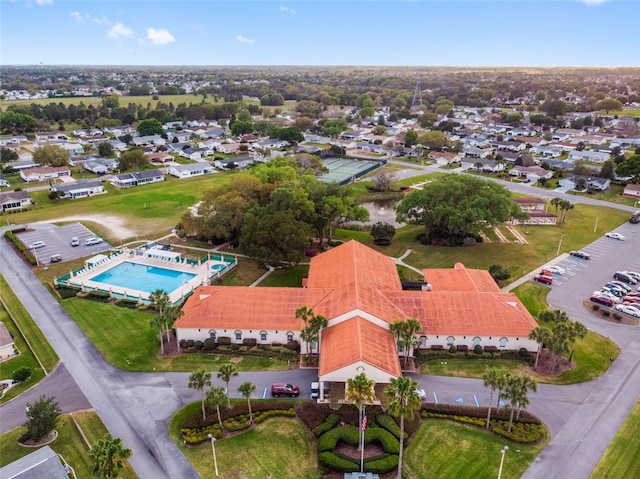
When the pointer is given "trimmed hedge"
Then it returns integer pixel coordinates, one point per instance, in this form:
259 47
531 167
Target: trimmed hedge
341 463
197 436
331 421
336 463
66 292
489 352
127 303
381 466
351 435
390 424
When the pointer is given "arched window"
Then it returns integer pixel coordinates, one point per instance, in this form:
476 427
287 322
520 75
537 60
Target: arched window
476 341
314 345
212 334
289 336
450 340
263 335
238 335
503 342
423 342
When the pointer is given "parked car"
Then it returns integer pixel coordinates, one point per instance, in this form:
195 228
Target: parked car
315 390
93 240
555 269
580 254
607 294
609 288
616 236
624 277
37 245
630 310
75 241
421 393
55 258
620 285
541 278
546 272
635 218
284 389
600 299
634 274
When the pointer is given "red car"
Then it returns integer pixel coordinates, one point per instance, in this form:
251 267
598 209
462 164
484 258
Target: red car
602 300
543 278
284 389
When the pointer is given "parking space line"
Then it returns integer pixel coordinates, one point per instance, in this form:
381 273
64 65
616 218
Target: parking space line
435 397
476 400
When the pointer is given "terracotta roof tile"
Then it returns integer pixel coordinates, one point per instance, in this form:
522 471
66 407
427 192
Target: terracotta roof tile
460 279
358 339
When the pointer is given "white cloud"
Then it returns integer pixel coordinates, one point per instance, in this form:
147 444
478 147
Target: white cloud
593 2
102 20
290 10
78 16
160 37
243 39
119 31
44 2
88 18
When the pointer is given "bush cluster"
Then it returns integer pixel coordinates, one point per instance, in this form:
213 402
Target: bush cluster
66 292
21 374
478 353
237 409
195 436
127 303
390 424
331 422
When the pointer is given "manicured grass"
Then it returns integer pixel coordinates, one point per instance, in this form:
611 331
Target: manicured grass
287 277
126 340
533 296
124 100
244 274
446 449
470 368
69 443
622 457
279 448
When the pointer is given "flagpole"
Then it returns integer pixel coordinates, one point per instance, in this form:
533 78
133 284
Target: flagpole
363 426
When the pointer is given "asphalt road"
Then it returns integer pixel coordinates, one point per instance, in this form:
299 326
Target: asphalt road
138 406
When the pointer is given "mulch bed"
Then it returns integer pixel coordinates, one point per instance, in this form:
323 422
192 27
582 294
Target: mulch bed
545 365
588 305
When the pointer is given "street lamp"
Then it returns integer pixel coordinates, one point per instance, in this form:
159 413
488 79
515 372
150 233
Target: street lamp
559 245
213 450
502 452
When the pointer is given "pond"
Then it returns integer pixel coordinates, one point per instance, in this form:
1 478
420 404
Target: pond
382 210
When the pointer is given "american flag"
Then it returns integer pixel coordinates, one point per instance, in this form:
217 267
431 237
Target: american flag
364 419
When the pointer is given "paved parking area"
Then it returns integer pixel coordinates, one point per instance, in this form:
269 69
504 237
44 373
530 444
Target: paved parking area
58 241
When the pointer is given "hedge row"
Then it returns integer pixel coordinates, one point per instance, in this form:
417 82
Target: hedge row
127 303
331 421
390 425
351 435
10 235
197 436
340 463
425 355
66 292
237 409
480 412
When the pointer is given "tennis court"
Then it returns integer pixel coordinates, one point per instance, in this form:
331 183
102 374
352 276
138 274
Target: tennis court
345 171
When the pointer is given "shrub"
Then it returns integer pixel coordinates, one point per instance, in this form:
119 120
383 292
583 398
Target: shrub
234 347
21 374
190 343
388 423
348 434
452 348
127 303
523 353
327 425
381 466
617 316
183 344
250 342
477 349
209 344
224 341
194 436
389 442
595 307
336 463
98 296
198 345
67 292
606 312
293 345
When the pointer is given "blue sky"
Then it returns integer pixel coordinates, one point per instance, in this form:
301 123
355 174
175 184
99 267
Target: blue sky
321 32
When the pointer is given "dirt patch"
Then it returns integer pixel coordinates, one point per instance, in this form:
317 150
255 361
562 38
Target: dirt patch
235 359
373 449
116 225
545 365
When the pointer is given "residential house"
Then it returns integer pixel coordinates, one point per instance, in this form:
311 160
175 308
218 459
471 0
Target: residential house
588 155
11 201
193 169
233 163
101 166
80 189
516 146
559 165
473 152
8 140
195 154
360 293
531 173
159 157
370 148
45 136
532 141
6 342
138 178
93 139
214 133
156 140
269 144
344 144
178 147
118 145
572 182
564 145
488 165
229 148
632 190
22 164
444 158
351 135
44 173
546 151
536 208
80 160
41 463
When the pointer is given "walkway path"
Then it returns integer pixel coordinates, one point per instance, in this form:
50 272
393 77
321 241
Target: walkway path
400 262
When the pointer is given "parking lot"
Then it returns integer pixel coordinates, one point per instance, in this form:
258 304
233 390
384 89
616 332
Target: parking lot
57 240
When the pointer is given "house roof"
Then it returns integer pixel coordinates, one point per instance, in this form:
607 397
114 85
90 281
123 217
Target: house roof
13 196
5 337
43 462
358 339
460 279
632 187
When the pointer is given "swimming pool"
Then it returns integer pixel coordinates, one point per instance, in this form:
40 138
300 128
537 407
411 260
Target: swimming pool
145 278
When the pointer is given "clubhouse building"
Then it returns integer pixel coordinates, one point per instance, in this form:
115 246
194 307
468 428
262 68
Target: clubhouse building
360 293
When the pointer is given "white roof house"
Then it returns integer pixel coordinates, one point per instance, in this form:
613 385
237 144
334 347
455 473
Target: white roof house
193 169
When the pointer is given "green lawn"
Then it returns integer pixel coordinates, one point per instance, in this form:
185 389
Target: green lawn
278 448
287 277
69 443
447 449
622 457
124 100
126 340
533 296
35 337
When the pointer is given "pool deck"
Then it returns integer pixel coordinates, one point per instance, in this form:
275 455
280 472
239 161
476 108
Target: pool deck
204 273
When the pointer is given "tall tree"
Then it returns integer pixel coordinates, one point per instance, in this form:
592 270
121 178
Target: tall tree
159 301
360 391
577 331
216 396
108 456
53 155
491 378
170 315
150 126
42 417
225 373
246 389
157 322
199 380
402 401
410 327
502 380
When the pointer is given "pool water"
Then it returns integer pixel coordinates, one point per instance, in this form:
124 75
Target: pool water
143 278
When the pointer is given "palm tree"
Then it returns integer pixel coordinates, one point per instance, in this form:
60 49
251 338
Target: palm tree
516 391
198 380
540 335
360 392
527 383
304 313
409 341
491 377
225 373
159 300
556 202
170 315
477 165
502 381
402 400
108 457
578 331
158 322
215 397
246 389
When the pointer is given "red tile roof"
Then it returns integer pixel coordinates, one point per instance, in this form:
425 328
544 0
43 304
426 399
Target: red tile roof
460 279
358 339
